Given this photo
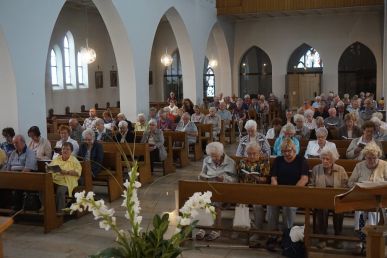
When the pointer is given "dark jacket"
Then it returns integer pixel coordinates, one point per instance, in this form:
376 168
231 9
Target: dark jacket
96 156
356 132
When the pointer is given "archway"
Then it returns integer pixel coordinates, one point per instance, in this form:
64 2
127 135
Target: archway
303 81
255 73
357 70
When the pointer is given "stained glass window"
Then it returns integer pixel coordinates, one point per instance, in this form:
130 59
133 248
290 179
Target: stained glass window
311 59
208 80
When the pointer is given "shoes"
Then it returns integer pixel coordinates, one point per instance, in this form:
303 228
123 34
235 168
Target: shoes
271 244
200 234
213 235
322 245
234 235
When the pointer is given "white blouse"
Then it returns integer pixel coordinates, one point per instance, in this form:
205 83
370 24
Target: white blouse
314 149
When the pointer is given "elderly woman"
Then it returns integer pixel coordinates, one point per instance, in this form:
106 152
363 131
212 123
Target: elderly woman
124 133
274 132
164 123
260 166
372 169
39 145
288 132
319 124
155 138
315 147
67 178
215 120
356 146
140 125
328 175
218 167
197 117
91 150
380 133
288 169
302 132
349 130
252 136
185 125
310 122
102 134
64 132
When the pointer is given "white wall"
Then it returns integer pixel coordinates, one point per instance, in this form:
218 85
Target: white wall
329 34
74 20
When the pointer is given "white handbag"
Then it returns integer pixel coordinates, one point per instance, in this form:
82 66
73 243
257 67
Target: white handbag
242 217
204 218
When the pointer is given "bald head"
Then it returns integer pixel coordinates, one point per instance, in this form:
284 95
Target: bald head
19 142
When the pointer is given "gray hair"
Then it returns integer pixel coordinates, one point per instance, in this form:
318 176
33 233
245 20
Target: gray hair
376 121
373 149
186 114
88 132
141 115
288 128
122 124
308 112
330 152
253 145
152 121
215 148
212 109
322 131
99 121
378 115
121 115
251 124
299 117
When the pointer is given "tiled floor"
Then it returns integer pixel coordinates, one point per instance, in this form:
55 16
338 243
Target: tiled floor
82 237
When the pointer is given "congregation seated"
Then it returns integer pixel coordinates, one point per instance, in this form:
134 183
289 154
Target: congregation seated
189 127
121 117
197 117
333 122
223 112
288 169
302 132
218 167
315 147
310 122
349 130
328 175
140 125
253 136
39 145
275 131
91 150
155 138
320 111
215 120
124 134
89 121
356 146
102 134
64 132
7 146
164 123
67 179
287 132
76 129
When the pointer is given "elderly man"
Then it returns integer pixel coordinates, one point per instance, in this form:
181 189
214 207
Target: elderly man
89 122
317 102
76 129
124 135
229 105
215 120
333 120
101 133
366 113
21 159
223 112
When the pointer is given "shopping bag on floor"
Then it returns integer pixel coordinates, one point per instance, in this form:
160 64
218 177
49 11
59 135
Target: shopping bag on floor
242 217
204 218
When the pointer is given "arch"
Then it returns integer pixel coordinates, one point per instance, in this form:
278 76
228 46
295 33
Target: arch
357 70
305 59
255 72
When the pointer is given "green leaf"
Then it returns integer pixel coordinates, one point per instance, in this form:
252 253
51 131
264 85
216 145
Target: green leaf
109 253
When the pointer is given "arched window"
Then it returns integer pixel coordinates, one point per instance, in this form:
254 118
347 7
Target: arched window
82 71
173 79
69 61
310 59
255 73
56 68
208 80
305 59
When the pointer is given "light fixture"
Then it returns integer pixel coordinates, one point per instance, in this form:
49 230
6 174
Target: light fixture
88 54
213 63
166 59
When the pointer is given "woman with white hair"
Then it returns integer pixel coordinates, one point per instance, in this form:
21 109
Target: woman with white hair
380 134
288 132
328 175
310 122
315 147
214 119
189 127
252 136
371 169
140 125
218 167
302 132
124 134
92 150
155 138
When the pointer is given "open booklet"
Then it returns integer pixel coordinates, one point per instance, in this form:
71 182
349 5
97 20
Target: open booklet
250 173
53 168
370 184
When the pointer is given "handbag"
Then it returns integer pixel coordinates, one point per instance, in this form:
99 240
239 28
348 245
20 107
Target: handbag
31 201
292 249
204 218
242 217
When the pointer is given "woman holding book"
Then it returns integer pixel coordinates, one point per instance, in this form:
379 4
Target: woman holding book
349 130
66 178
315 146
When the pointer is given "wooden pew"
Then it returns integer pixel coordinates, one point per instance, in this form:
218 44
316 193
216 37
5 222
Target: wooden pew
140 150
179 141
37 182
204 133
228 130
301 197
5 223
